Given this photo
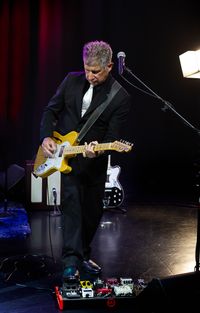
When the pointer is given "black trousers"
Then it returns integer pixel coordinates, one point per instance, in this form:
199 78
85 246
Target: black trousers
82 206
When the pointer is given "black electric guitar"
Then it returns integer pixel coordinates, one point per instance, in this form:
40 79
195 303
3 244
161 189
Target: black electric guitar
114 193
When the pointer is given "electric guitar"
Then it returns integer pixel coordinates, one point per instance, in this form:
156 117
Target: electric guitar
114 193
67 147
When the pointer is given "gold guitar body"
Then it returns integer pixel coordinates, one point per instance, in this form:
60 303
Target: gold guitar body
44 167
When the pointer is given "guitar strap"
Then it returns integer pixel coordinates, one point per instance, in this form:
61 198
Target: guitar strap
99 110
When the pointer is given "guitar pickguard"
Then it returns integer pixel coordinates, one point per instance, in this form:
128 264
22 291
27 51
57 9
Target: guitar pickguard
52 164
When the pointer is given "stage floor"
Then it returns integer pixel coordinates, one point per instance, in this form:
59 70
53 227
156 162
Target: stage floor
149 241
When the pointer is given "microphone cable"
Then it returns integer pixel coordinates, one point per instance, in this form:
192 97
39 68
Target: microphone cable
49 226
132 85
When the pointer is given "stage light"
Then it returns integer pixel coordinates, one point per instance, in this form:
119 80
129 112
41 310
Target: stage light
190 64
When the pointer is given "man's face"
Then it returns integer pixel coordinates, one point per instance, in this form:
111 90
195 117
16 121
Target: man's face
96 74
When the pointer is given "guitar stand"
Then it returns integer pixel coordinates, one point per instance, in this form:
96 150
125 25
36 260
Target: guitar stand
123 211
109 208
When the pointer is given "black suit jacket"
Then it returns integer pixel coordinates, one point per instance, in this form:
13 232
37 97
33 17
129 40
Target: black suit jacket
63 114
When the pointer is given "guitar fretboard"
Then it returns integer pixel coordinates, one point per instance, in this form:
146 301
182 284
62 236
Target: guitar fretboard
81 149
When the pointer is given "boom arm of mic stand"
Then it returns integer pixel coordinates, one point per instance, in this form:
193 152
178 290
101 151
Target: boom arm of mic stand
167 105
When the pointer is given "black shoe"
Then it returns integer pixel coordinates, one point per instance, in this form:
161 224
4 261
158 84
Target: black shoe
91 267
71 274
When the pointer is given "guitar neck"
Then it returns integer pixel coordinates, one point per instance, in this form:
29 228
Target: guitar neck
81 149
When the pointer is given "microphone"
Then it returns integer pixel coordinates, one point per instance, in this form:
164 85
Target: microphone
121 62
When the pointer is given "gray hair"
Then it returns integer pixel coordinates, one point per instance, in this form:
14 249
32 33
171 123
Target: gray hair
97 52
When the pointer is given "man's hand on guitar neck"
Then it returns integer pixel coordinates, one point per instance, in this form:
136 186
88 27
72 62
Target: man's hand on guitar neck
89 150
48 147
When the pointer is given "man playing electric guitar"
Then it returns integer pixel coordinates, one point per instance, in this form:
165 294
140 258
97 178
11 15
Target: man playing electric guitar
68 110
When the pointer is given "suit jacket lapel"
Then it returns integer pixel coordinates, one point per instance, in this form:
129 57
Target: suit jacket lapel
96 101
79 95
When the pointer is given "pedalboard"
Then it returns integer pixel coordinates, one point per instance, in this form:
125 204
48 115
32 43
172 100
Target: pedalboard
110 293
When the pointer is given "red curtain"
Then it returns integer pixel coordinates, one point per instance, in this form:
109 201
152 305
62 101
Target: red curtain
15 39
30 56
14 57
40 42
49 45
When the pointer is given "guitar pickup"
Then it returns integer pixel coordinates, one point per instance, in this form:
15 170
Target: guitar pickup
61 151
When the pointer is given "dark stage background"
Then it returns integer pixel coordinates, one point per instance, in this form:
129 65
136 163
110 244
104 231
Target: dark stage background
41 40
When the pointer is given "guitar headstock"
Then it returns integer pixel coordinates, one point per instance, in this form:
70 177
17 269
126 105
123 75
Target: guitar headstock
121 146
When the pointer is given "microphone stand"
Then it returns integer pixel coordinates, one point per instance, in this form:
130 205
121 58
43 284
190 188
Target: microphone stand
168 105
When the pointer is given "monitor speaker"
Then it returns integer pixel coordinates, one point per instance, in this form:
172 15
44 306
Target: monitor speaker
178 293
